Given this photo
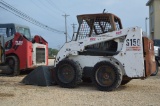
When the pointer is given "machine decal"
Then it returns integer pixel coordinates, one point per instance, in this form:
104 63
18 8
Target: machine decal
92 39
134 48
133 42
18 42
119 32
133 45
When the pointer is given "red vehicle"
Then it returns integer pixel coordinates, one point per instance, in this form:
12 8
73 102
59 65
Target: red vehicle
22 52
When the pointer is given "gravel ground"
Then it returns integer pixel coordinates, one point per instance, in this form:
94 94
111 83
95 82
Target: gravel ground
136 93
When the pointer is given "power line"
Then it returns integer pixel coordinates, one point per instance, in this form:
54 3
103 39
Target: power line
24 16
45 4
52 3
15 14
55 6
44 9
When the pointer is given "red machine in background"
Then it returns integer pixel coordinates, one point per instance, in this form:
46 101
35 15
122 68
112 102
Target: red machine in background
21 50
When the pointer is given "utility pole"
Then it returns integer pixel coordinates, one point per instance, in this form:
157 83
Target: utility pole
65 16
73 25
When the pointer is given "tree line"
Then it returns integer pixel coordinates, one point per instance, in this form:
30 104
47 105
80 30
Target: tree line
52 52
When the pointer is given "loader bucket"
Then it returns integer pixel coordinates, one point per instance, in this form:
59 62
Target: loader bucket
41 76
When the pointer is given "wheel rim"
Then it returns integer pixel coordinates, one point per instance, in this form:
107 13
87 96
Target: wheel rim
66 73
105 76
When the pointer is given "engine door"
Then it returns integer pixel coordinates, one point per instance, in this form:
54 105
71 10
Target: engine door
39 54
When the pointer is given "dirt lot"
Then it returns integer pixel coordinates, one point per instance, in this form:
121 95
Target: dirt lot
136 93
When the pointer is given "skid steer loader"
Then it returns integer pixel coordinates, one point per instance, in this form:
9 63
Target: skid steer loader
19 51
102 50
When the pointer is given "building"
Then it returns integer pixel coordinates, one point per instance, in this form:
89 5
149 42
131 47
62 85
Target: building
154 18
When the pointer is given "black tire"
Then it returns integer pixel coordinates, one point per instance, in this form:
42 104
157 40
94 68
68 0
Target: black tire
107 76
157 69
13 63
68 73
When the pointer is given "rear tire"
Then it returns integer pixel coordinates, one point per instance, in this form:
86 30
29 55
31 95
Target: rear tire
13 63
107 76
68 73
157 69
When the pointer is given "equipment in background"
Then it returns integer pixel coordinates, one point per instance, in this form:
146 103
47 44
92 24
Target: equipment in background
157 55
19 51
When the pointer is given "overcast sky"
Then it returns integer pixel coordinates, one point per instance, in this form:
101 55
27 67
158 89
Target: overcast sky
49 12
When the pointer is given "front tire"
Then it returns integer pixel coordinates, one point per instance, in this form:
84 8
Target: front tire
13 63
68 73
107 76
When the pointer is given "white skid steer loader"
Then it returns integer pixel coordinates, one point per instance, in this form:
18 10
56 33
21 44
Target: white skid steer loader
102 50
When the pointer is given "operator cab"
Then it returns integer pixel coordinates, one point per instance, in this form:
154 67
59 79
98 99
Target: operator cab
91 25
8 30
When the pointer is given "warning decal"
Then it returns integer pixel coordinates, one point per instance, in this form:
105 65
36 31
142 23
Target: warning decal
133 45
134 48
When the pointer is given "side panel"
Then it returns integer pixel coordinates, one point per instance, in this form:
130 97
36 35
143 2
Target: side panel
131 55
149 57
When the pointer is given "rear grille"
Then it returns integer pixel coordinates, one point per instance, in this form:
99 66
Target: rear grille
40 55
